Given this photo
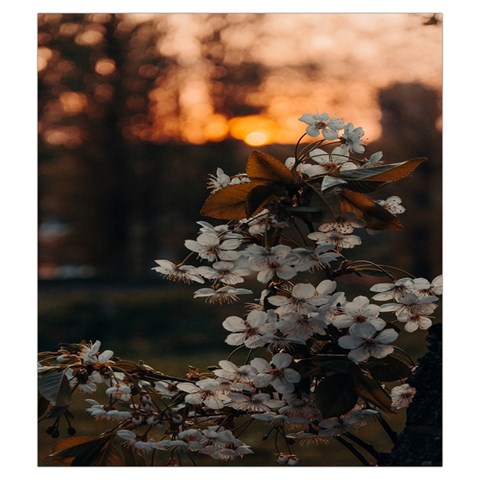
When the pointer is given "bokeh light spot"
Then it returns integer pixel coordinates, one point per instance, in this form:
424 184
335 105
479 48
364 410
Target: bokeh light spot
105 66
255 139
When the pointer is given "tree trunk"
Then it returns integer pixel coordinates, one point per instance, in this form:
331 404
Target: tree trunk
420 444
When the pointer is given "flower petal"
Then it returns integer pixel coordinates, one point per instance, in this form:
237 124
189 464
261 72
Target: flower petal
349 342
233 324
387 336
281 360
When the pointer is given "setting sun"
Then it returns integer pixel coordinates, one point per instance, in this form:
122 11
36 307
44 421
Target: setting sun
255 139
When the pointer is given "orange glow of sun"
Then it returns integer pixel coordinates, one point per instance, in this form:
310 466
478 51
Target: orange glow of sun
256 139
254 130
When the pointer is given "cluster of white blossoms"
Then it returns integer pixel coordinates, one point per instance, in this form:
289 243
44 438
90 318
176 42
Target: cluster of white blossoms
303 335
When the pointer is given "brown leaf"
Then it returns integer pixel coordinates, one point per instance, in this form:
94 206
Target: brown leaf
229 203
375 216
267 169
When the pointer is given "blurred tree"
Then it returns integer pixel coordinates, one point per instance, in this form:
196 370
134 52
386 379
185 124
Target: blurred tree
410 128
95 76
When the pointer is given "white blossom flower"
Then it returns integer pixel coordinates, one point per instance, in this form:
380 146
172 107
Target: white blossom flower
304 259
351 421
364 342
147 446
423 288
301 326
414 311
374 160
392 204
193 438
207 392
105 412
303 299
338 239
259 402
299 409
225 272
325 288
273 418
342 224
261 222
218 181
166 389
222 444
389 291
276 373
276 343
328 126
270 262
63 358
128 436
182 273
257 324
210 247
89 353
176 445
119 392
359 312
239 178
287 459
333 308
437 286
240 377
351 139
131 439
325 163
402 396
226 294
224 230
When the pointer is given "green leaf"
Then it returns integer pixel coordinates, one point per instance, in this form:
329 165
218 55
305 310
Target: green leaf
388 369
370 179
370 390
335 396
55 387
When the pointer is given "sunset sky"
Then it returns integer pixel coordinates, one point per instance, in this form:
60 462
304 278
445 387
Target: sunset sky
358 54
350 57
